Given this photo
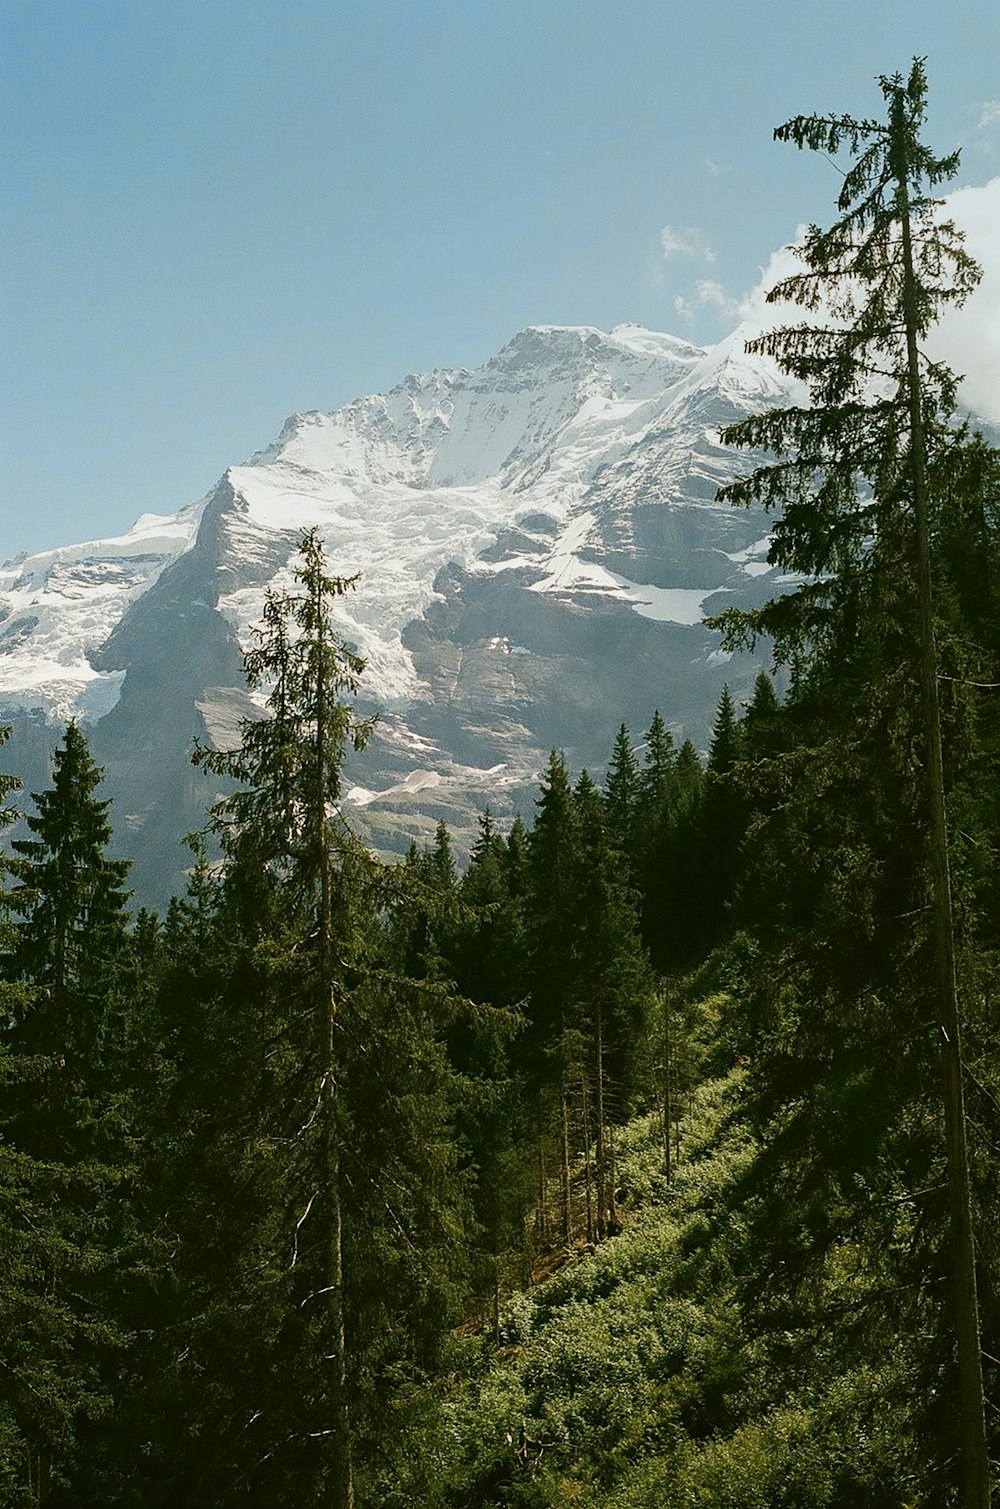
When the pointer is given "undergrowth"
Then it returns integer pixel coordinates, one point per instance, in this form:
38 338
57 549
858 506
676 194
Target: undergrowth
630 1378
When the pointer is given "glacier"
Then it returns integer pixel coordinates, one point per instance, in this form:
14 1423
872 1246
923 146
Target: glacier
400 485
533 538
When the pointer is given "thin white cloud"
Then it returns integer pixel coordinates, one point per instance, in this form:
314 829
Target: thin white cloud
989 113
685 242
714 169
708 294
967 339
752 307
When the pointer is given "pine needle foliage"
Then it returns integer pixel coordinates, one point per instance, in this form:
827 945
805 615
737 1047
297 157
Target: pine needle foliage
841 473
859 792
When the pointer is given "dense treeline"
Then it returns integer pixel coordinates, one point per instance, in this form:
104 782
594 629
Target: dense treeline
621 1168
164 1149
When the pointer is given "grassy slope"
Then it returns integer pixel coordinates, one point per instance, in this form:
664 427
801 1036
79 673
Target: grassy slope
634 1368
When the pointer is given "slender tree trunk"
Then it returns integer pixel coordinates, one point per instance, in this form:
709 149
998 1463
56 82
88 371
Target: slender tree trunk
39 1463
667 1083
612 1198
567 1210
602 1176
496 1300
677 1127
585 1111
333 1276
543 1214
343 1474
975 1462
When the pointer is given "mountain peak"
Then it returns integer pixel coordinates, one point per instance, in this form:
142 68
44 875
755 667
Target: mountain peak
537 539
546 345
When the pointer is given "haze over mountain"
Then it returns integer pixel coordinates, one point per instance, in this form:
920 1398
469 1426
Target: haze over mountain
537 541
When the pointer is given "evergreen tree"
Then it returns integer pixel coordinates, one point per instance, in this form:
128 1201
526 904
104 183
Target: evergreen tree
724 749
489 961
426 930
612 987
758 727
659 756
494 1120
442 858
67 1135
688 778
721 825
516 860
354 1052
622 790
853 477
552 857
207 1400
669 863
279 827
589 982
73 906
552 943
25 1454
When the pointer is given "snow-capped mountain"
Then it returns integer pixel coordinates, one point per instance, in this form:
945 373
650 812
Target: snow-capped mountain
537 540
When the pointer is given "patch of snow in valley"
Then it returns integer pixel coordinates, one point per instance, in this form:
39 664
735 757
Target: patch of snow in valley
670 605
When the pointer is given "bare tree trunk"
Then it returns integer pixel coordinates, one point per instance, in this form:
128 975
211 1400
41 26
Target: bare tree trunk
585 1107
667 1082
543 1215
39 1466
343 1475
602 1176
496 1300
567 1210
333 1276
975 1462
612 1194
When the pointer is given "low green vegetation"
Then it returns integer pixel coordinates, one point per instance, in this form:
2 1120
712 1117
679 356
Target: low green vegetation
639 1376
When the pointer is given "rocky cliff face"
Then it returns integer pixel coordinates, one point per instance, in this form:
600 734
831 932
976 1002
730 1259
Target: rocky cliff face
538 542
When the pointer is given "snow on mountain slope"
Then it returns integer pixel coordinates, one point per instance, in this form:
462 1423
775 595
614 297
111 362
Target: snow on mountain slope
400 484
58 607
537 541
510 415
430 475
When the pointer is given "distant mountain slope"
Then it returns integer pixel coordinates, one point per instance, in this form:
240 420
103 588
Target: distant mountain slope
537 541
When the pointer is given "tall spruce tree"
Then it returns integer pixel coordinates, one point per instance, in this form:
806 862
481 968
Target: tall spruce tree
72 902
282 824
852 475
622 790
25 1454
354 1076
759 722
553 941
611 986
668 857
489 960
67 1132
216 1353
659 756
494 1117
721 825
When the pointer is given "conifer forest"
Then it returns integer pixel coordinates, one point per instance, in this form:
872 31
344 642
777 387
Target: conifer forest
652 1159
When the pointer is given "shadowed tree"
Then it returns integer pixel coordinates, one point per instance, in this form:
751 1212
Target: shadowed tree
282 826
67 1130
852 474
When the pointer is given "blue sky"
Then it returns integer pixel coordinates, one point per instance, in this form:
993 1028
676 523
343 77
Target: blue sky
220 211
